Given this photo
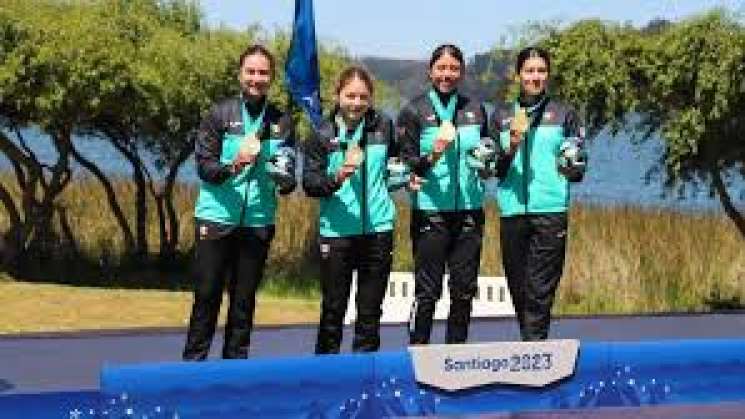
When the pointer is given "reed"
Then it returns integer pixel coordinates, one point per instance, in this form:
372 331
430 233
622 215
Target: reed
620 259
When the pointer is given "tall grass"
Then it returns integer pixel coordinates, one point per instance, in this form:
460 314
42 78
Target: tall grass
619 259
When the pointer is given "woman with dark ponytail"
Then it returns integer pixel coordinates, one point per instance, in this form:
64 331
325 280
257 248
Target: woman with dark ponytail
540 152
440 132
245 156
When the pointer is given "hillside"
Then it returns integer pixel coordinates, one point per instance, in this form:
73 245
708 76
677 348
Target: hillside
409 77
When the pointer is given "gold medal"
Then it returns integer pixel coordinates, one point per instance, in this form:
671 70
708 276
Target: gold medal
250 147
520 122
354 156
447 132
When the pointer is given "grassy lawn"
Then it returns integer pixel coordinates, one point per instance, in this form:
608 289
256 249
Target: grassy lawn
29 307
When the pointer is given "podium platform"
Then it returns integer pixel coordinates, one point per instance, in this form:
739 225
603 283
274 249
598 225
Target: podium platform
57 375
617 374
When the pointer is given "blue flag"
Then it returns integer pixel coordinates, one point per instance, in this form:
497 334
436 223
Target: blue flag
301 69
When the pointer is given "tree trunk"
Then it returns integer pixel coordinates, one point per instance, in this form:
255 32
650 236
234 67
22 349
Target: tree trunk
71 246
116 209
38 194
141 242
11 242
169 251
724 197
163 233
45 239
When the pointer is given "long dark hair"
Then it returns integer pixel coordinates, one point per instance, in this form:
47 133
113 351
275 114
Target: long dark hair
532 52
449 49
257 49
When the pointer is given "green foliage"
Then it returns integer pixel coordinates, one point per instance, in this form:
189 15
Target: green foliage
684 81
140 74
148 65
697 70
593 67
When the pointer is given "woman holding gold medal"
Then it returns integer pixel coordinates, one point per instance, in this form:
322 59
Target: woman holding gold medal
443 137
541 152
346 168
244 155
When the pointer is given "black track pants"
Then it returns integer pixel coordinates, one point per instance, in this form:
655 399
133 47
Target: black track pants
237 254
371 256
440 239
533 250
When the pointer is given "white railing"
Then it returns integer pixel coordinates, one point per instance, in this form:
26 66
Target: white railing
492 299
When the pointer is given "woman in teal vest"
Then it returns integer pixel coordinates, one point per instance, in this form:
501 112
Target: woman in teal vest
439 131
345 167
244 155
541 152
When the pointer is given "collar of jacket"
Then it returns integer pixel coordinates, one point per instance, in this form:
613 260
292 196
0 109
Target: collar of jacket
253 109
372 120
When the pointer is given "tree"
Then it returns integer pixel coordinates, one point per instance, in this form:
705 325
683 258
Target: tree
177 78
594 67
138 74
55 72
697 70
684 82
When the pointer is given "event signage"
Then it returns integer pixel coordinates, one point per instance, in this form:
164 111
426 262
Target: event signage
457 367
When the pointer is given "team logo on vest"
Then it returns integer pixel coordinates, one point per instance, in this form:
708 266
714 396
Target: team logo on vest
274 128
333 144
235 124
431 118
470 116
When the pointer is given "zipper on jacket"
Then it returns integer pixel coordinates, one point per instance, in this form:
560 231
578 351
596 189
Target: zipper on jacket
363 205
526 166
245 204
457 168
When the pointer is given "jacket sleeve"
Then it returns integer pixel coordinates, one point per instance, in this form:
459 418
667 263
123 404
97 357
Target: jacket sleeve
316 183
394 147
504 157
408 129
484 128
487 171
208 148
573 130
288 128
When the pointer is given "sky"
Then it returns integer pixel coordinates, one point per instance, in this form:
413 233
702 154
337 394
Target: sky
412 28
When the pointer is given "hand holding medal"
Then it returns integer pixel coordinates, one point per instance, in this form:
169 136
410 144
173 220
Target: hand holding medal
354 156
518 127
352 160
445 137
249 149
247 152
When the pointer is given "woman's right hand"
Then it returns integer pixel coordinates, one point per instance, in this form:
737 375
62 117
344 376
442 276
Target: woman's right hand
516 137
518 126
237 166
415 183
240 162
344 173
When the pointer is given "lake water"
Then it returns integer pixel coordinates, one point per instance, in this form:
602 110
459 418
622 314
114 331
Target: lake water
616 172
